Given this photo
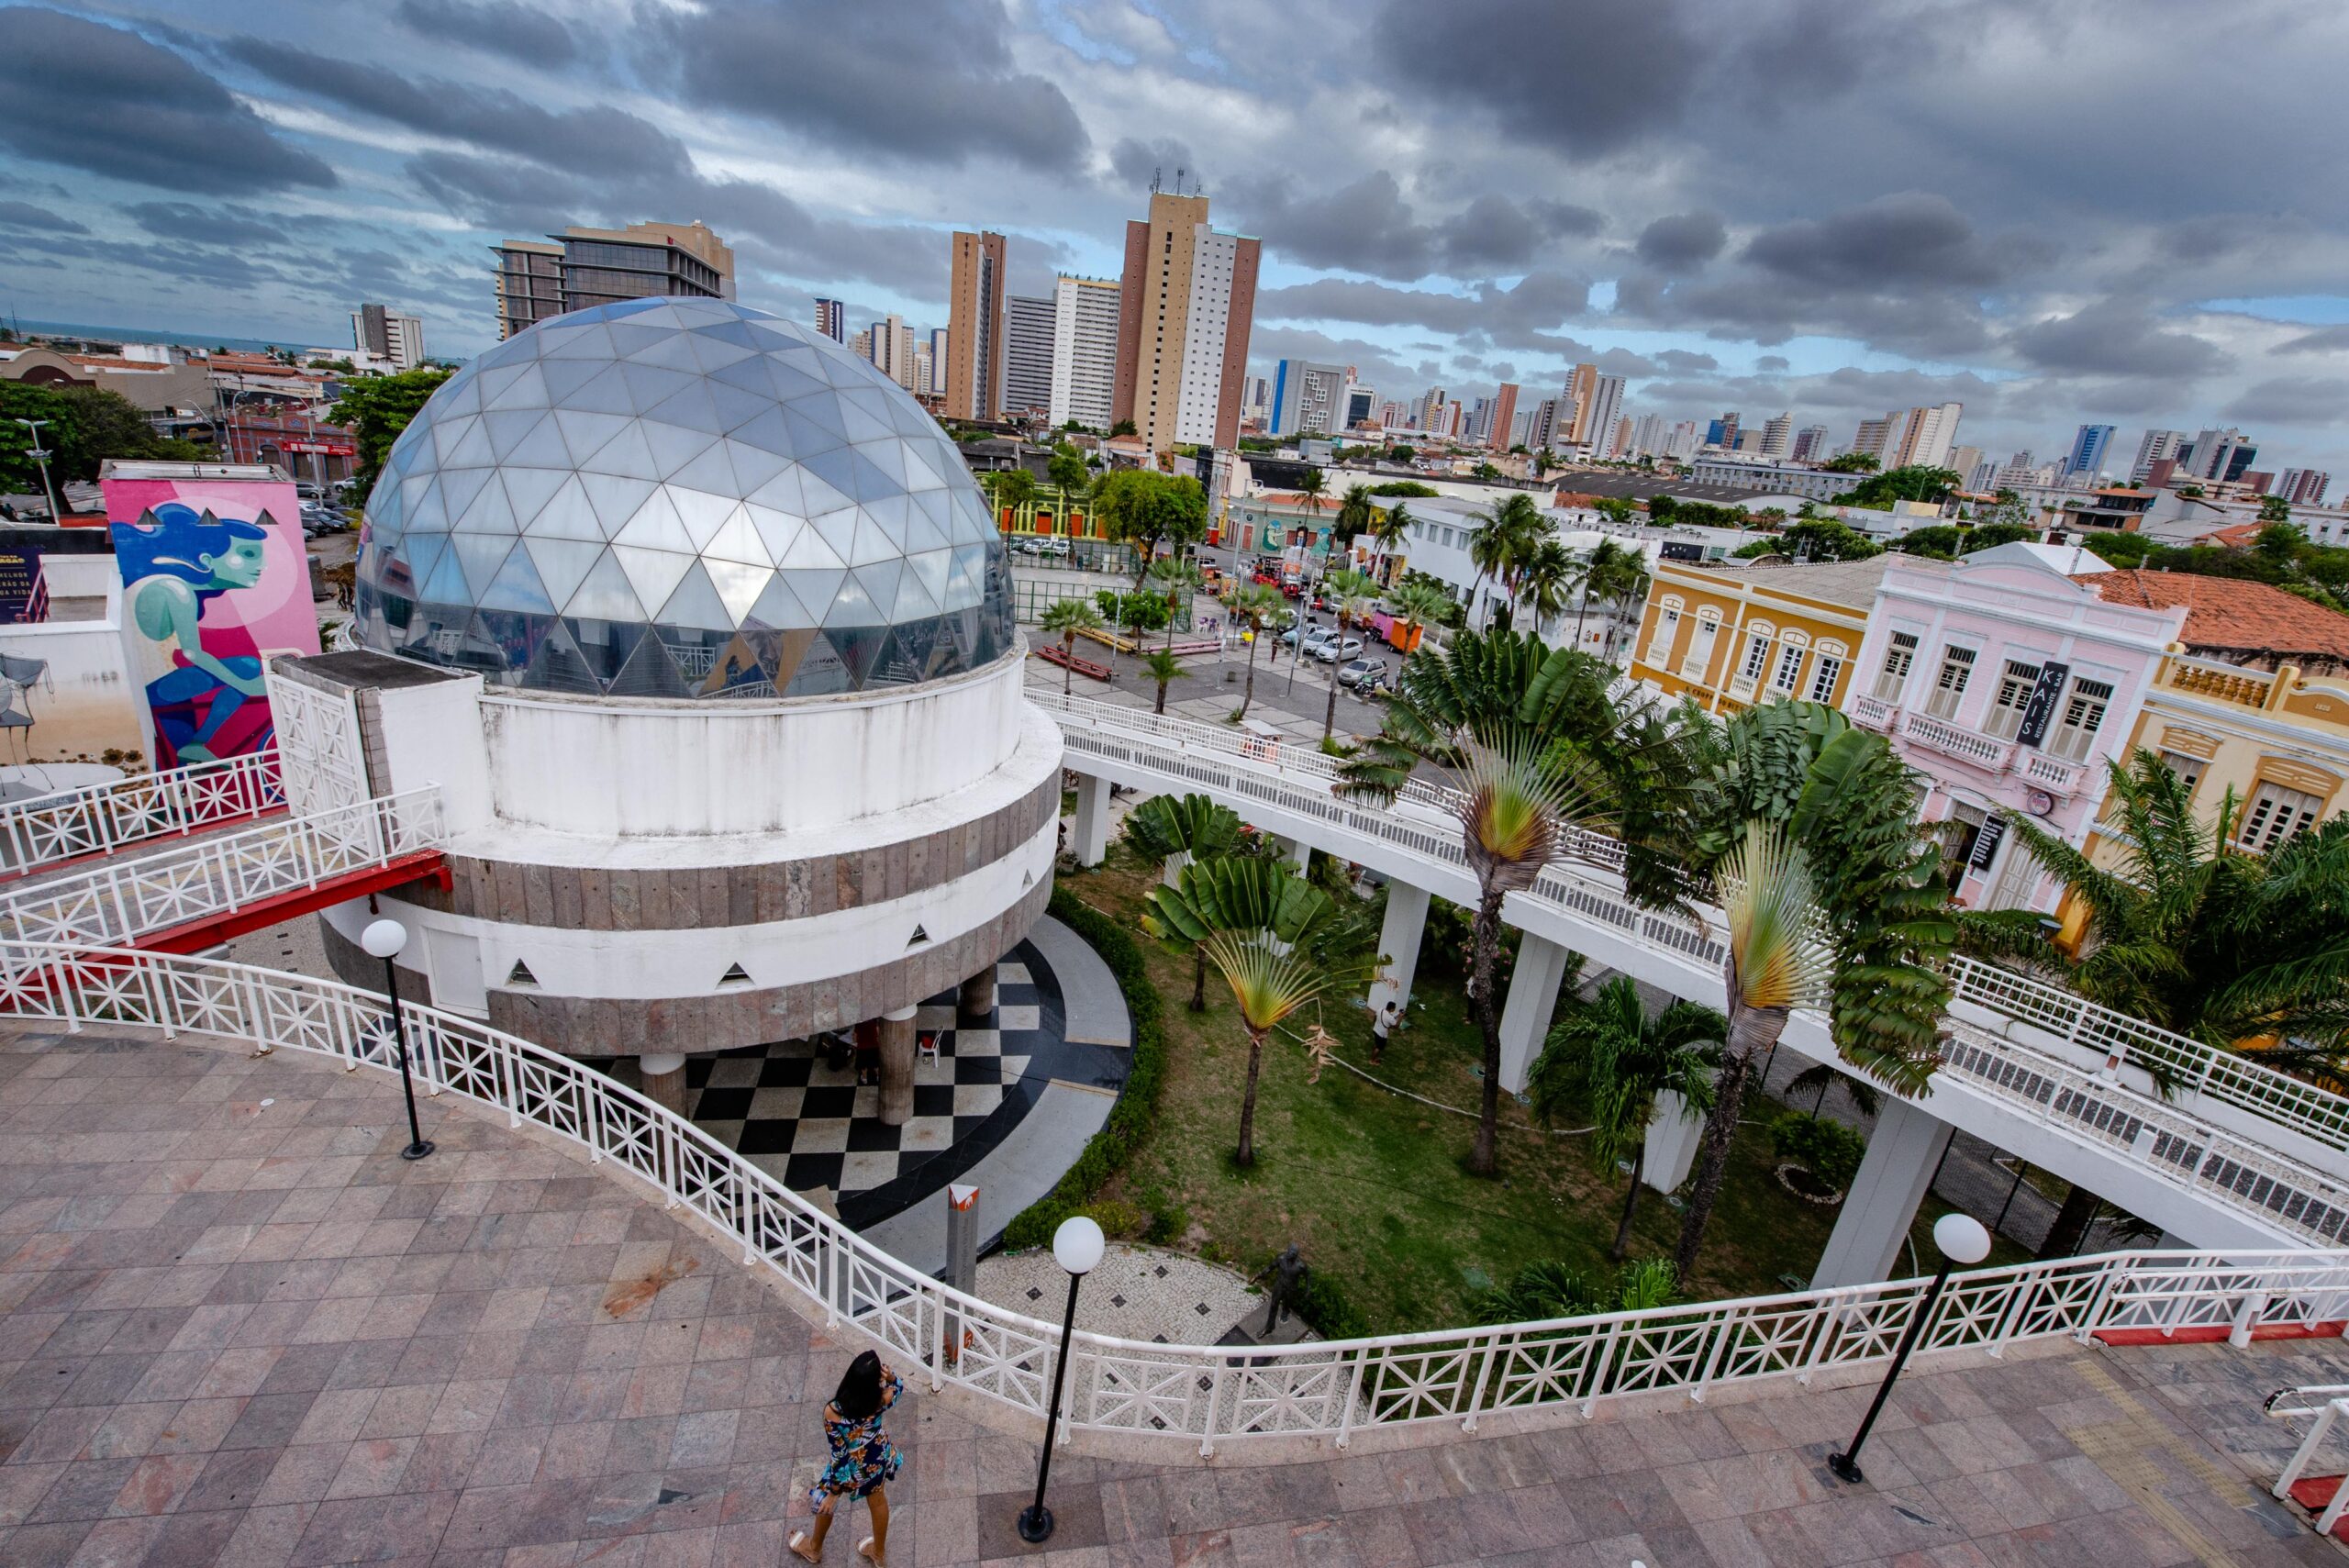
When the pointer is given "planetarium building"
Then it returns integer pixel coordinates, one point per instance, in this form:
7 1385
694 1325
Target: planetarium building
704 634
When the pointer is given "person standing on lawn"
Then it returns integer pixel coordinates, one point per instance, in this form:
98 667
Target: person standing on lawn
1384 1021
863 1462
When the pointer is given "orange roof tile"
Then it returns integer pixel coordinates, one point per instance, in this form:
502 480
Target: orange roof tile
2231 612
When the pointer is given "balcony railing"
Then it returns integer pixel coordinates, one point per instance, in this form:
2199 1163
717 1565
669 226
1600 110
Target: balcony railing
2041 770
2219 683
1964 744
1874 713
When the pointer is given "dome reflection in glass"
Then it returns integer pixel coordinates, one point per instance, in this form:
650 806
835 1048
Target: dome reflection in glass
681 498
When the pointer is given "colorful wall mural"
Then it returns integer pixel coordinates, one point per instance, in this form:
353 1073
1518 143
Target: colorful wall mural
213 584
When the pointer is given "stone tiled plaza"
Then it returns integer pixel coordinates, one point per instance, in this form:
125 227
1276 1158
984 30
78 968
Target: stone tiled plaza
237 1329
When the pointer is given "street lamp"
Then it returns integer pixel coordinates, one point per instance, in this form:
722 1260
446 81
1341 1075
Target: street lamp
384 939
1961 1240
1076 1245
40 456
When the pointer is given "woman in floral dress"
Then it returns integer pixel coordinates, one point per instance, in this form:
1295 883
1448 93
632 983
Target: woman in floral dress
863 1458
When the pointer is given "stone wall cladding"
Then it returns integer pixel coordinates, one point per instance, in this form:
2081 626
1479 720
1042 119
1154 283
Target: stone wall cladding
611 1026
587 898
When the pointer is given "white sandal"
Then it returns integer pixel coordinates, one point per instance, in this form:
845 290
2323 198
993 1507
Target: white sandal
864 1550
796 1537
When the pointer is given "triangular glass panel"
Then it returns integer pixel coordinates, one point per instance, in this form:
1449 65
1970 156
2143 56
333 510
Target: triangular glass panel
656 526
859 648
776 530
809 436
585 433
738 672
447 435
766 430
738 586
873 478
516 586
527 390
836 468
472 450
649 674
604 593
520 975
589 340
701 512
530 489
778 608
482 555
689 408
626 454
851 604
822 673
649 386
654 573
604 392
753 466
614 499
562 565
816 591
670 353
673 447
491 512
782 653
566 514
735 975
918 938
565 377
507 427
873 542
695 603
733 406
737 540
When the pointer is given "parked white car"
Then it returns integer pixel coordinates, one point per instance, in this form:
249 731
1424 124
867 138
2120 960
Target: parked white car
1333 650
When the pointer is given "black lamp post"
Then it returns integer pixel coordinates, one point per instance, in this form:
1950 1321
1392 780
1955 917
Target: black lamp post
1961 1240
384 939
1078 1246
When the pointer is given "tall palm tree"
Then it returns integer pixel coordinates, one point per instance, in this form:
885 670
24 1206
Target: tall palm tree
1504 537
1255 603
1174 830
1356 513
1545 580
1834 899
1174 577
1161 667
1616 1057
1353 595
1538 746
1261 929
2191 932
1064 618
1613 575
1312 487
1391 526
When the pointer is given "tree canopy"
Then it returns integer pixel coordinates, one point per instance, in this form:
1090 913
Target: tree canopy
376 409
1850 462
1813 539
1912 482
83 426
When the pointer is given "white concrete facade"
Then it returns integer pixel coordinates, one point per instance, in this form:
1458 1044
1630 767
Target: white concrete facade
1213 257
1085 350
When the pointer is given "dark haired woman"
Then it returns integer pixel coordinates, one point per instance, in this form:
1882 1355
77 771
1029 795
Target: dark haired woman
863 1458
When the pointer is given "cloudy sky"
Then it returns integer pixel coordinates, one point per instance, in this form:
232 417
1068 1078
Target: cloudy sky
2123 211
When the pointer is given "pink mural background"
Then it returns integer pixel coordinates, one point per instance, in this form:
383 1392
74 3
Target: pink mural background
215 582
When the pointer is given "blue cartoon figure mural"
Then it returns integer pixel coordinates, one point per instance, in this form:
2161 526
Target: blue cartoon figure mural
176 565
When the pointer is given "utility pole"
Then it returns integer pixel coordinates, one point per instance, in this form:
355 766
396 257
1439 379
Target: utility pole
40 456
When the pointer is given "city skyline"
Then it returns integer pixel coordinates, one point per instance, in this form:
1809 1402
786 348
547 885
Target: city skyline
1463 226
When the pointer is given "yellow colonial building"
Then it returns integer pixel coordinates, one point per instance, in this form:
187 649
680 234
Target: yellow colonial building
1734 636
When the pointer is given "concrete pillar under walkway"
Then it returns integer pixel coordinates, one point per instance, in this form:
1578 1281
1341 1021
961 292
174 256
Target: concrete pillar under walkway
898 1067
1672 1139
1088 836
1298 853
1532 998
663 1077
1873 1222
975 999
1399 943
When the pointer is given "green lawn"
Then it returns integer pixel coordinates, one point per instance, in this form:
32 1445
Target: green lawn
1371 1185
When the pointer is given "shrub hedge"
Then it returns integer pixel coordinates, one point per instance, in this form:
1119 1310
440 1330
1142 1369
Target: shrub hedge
1107 1151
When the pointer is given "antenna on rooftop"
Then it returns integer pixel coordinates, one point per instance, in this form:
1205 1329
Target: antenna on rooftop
1155 180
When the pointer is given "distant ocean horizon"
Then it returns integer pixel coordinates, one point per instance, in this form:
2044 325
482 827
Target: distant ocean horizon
161 335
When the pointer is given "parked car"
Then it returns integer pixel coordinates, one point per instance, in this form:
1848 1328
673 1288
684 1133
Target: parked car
1333 649
1311 634
1362 674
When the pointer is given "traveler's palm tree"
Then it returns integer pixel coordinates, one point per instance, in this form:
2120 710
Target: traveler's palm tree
1176 831
1613 1057
1354 596
1064 618
1834 896
1538 750
1392 526
1255 603
1356 513
1262 928
2191 931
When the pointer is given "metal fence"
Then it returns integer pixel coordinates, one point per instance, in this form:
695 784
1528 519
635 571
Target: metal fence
123 898
97 819
1427 1384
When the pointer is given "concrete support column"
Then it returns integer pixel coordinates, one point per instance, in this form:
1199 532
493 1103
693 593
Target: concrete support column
1533 998
1672 1139
1298 853
977 999
1089 835
1399 943
1903 1153
898 1067
663 1076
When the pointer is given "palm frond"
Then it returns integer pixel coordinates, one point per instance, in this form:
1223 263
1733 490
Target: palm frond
1781 956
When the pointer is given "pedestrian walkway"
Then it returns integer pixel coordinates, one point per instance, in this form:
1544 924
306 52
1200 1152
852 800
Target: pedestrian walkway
237 1329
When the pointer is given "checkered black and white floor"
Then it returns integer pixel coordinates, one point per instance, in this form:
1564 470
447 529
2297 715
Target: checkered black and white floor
813 1126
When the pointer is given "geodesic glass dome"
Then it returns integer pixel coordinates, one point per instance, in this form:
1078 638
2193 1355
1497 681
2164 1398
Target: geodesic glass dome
681 498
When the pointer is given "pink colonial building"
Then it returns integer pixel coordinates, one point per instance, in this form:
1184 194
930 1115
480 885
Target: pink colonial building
2007 685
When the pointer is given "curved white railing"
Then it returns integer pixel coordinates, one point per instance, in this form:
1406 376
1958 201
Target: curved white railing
99 819
1426 1382
2165 1138
123 898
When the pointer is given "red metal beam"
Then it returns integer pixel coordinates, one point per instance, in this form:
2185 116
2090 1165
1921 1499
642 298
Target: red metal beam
197 936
